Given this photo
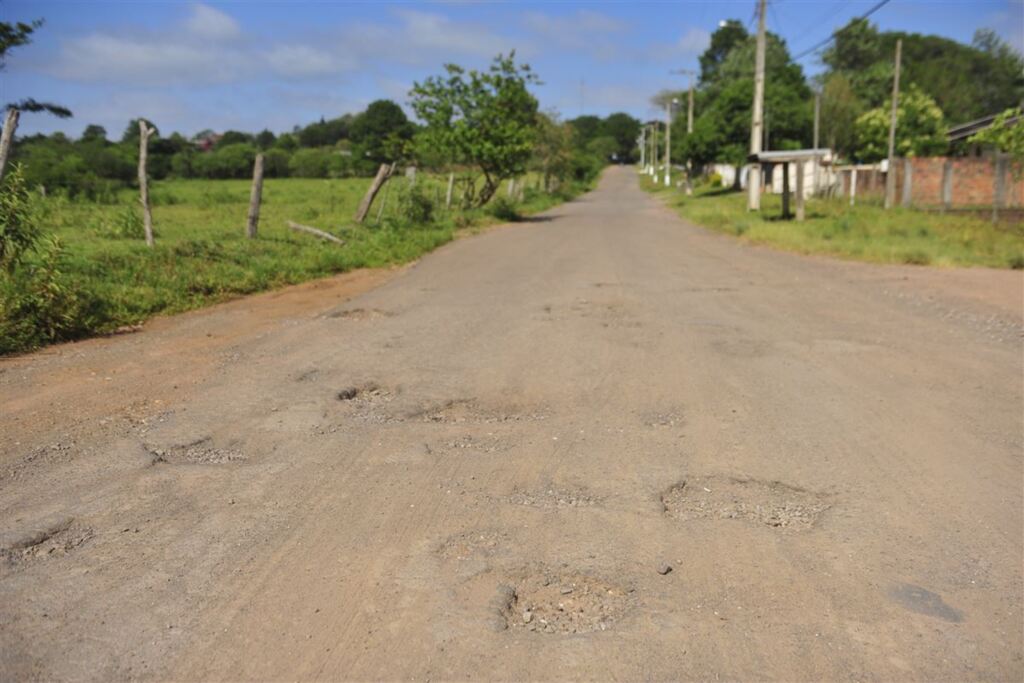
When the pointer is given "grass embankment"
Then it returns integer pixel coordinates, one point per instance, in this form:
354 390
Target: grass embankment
202 255
865 232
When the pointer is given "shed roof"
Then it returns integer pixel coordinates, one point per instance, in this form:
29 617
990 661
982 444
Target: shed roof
782 156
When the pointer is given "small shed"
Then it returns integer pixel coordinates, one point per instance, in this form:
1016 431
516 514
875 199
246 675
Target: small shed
798 157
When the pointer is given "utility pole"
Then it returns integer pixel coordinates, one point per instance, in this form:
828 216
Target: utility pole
668 143
890 174
754 178
643 148
654 150
689 126
817 160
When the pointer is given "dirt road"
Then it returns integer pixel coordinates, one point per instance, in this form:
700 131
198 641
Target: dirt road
604 445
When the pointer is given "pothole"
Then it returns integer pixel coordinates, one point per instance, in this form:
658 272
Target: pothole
456 411
562 603
199 452
553 498
475 444
368 402
481 543
51 541
360 314
664 418
770 503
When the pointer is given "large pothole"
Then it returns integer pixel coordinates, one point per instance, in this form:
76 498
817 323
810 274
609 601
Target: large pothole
553 497
464 410
562 603
770 503
52 540
198 452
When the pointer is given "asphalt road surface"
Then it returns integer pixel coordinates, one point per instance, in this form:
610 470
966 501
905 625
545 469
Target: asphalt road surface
603 444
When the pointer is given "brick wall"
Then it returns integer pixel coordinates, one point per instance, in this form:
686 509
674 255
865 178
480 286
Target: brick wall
973 182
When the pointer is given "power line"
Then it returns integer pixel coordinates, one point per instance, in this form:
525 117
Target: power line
820 44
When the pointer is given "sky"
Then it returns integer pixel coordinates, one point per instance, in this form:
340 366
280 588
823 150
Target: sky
250 65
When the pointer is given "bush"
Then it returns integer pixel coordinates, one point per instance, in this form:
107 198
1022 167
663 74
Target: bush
1016 262
504 209
19 230
416 206
124 226
917 258
715 180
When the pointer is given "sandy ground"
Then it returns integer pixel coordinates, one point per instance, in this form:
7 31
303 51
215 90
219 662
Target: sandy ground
603 445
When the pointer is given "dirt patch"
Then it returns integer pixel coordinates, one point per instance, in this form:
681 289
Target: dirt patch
455 411
923 601
765 502
52 540
481 543
552 497
473 444
562 603
199 452
369 401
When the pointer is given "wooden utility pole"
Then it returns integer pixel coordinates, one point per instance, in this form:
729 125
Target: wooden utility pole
255 196
817 159
7 138
754 178
890 175
643 148
654 151
147 217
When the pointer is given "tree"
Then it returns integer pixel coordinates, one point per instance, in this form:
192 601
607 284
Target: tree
233 137
14 35
624 129
1006 134
265 139
584 129
726 37
920 130
552 149
380 132
94 133
840 108
130 136
485 119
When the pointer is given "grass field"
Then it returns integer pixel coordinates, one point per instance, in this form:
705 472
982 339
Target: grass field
864 232
202 255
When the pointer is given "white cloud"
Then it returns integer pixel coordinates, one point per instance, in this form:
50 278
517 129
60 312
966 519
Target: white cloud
690 44
584 30
207 22
302 60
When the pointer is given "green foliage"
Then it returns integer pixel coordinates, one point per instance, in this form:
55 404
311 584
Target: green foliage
920 130
966 81
15 34
416 207
379 133
504 209
603 147
840 108
1006 134
865 232
19 231
723 40
230 161
126 224
481 119
310 163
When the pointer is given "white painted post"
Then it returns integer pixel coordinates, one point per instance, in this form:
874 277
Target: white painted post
853 185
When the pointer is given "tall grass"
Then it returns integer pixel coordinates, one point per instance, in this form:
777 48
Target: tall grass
865 232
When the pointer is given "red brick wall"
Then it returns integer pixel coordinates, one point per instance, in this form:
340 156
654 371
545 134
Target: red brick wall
974 182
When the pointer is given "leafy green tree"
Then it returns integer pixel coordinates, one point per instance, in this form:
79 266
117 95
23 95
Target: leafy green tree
233 137
624 129
552 149
603 147
265 139
920 130
726 37
485 119
232 161
130 136
584 129
94 133
840 108
310 162
380 132
1006 134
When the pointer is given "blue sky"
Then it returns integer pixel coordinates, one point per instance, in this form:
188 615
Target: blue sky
250 65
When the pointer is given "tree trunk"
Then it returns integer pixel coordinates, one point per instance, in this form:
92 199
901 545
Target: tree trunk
255 197
7 139
147 216
364 206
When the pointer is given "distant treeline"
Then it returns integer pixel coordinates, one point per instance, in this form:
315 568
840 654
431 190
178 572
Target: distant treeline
349 145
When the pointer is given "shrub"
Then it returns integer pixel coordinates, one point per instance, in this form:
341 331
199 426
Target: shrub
917 258
504 209
1016 262
124 225
715 180
416 206
19 231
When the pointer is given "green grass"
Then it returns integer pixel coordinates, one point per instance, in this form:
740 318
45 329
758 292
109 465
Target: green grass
864 232
202 255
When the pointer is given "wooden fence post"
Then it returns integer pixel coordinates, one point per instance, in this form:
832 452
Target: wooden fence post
147 216
364 206
785 189
448 195
800 190
255 196
853 185
908 186
7 138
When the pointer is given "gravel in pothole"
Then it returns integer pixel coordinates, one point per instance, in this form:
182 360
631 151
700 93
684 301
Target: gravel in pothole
54 540
199 452
764 502
472 544
553 498
468 410
552 602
